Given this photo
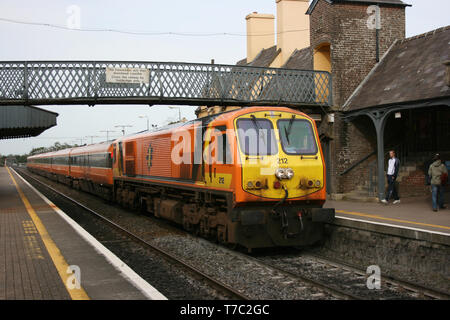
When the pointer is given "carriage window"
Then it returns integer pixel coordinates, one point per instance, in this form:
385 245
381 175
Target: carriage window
297 136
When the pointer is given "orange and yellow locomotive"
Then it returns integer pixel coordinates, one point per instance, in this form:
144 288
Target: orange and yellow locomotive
253 177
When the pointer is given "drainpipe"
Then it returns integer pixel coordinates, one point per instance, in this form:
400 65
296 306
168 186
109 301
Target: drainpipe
377 33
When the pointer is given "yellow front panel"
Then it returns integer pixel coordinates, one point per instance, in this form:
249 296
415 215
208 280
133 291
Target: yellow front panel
262 168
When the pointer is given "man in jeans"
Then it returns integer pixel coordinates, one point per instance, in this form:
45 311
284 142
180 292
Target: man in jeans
436 171
392 173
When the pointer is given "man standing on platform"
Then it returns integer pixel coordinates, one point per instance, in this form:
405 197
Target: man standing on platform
439 176
392 173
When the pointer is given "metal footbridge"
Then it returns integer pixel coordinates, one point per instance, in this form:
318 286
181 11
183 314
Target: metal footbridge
107 82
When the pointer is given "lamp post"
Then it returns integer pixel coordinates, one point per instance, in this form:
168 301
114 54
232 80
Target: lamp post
123 126
179 112
81 141
147 121
107 133
92 138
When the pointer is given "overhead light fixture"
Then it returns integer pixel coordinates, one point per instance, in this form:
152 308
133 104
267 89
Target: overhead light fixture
330 118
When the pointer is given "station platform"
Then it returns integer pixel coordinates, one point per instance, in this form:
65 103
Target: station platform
413 214
45 255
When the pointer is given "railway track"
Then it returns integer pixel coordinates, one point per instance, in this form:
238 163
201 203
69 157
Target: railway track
414 289
283 279
326 287
222 288
320 276
345 278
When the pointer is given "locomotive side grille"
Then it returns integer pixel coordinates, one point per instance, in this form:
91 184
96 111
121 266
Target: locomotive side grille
130 149
130 169
161 154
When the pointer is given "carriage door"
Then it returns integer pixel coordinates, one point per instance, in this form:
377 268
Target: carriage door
217 156
120 159
85 161
130 158
114 160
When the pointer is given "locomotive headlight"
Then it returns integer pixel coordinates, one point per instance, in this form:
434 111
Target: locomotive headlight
283 173
318 183
289 173
279 173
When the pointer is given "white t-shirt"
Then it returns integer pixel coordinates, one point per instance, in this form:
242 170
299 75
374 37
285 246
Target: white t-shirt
391 167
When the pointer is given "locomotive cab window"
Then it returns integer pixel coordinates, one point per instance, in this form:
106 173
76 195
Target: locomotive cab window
256 137
224 152
297 136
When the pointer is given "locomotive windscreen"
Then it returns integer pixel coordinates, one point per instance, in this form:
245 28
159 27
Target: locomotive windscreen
297 136
257 137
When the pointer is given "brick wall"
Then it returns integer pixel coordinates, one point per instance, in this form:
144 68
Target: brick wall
353 55
353 141
414 185
353 44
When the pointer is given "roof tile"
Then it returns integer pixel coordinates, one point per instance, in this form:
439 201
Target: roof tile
413 70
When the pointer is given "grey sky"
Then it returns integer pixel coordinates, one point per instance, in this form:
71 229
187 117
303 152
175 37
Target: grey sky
24 42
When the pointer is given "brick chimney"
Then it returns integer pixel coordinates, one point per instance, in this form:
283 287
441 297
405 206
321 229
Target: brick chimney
260 33
292 26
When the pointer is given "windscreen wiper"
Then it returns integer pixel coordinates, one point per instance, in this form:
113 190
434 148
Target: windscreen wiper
287 131
258 128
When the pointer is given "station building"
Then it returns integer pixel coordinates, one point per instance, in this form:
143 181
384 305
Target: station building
389 92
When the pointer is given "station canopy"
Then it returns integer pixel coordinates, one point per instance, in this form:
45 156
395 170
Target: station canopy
24 121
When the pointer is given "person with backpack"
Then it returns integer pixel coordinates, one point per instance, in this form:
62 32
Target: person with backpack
439 178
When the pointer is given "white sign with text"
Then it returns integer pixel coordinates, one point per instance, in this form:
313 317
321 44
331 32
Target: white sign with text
127 75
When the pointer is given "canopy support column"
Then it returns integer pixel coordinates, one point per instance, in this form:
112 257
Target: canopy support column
379 120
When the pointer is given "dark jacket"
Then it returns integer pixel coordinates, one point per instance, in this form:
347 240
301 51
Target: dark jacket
396 167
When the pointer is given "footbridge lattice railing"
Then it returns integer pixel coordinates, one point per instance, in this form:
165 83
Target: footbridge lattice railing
106 82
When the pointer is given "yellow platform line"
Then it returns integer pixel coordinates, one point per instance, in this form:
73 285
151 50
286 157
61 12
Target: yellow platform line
55 254
373 216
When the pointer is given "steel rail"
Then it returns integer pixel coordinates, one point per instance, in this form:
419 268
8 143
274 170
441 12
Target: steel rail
338 293
216 284
322 286
422 290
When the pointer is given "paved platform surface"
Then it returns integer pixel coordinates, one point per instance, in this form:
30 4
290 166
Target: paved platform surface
413 213
40 248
